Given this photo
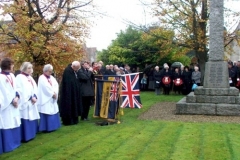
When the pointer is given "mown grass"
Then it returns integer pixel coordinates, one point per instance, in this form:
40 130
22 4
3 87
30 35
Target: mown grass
135 139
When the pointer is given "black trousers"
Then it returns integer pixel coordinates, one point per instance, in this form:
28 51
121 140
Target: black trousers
86 103
166 89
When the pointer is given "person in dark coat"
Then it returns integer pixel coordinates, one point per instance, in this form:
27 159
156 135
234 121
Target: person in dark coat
157 76
232 74
110 71
187 80
106 72
167 79
150 79
86 79
70 97
127 69
177 81
238 75
102 69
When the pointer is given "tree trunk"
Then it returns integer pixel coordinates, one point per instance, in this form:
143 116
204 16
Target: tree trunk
202 59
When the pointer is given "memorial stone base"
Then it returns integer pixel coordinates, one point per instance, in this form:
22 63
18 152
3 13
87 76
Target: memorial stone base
210 101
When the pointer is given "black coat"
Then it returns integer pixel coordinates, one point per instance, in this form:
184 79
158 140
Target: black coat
157 76
176 75
232 73
165 73
70 97
102 70
150 75
187 82
109 72
86 79
187 77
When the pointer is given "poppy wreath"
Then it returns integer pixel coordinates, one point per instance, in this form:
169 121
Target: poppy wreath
166 80
178 82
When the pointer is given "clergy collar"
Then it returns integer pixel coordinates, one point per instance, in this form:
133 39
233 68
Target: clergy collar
6 73
46 76
25 74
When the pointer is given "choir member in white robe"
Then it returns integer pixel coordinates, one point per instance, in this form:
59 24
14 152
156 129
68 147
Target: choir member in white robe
10 115
1 101
27 89
47 101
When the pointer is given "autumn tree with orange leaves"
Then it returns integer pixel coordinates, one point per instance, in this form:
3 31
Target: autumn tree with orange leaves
189 20
42 32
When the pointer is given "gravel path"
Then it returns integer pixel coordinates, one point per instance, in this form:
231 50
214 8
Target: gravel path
166 111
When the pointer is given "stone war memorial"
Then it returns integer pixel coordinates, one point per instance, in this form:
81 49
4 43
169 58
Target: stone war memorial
216 97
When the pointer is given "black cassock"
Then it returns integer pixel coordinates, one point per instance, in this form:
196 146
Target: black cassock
70 97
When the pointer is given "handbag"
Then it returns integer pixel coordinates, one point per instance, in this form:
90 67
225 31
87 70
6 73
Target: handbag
194 86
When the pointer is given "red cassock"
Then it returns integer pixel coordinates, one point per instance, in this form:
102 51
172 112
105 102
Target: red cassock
178 82
166 80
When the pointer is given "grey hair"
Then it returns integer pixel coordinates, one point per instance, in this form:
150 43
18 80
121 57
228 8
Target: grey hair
75 63
196 67
47 67
165 65
25 66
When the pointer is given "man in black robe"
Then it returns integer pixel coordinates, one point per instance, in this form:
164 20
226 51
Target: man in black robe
86 79
70 97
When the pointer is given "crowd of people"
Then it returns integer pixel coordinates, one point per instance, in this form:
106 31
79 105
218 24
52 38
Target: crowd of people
27 107
181 79
177 79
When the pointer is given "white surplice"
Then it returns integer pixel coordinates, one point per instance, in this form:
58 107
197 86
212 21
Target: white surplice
10 116
27 88
46 89
1 101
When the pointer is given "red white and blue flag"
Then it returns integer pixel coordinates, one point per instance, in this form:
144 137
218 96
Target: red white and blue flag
130 91
114 92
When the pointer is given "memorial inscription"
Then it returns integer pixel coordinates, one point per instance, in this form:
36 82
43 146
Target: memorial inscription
216 77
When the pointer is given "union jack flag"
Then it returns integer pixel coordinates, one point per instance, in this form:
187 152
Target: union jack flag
130 91
114 91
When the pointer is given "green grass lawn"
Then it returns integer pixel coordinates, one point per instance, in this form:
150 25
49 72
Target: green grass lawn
135 139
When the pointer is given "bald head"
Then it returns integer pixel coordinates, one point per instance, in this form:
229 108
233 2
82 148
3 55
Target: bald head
75 65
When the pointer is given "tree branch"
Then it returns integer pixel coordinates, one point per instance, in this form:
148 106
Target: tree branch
178 8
